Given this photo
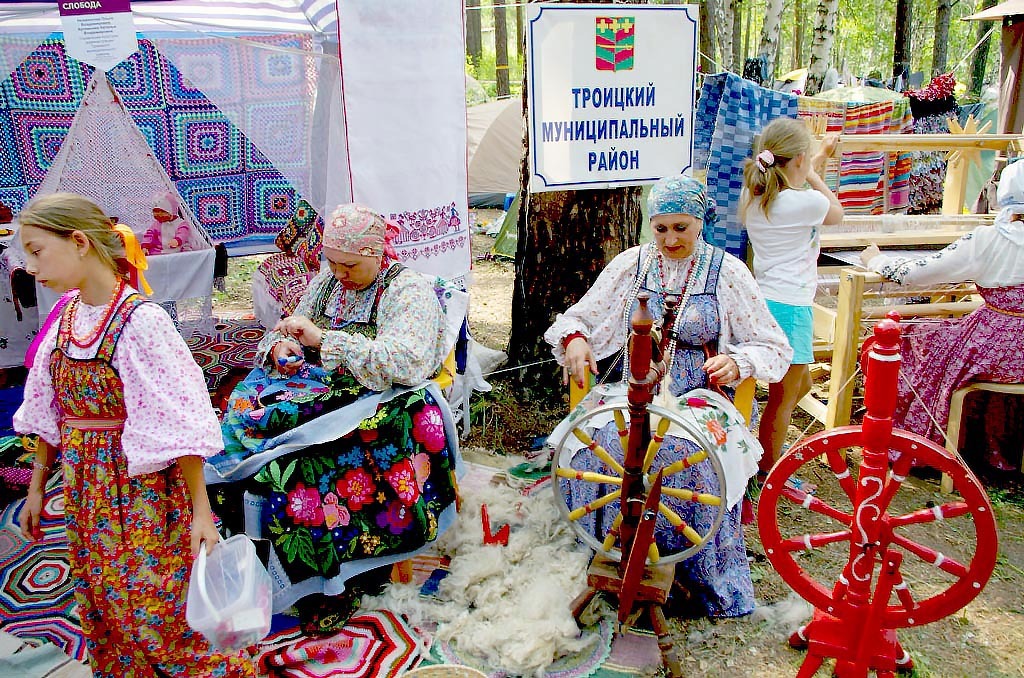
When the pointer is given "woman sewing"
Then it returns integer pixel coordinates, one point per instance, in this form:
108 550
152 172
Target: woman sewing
722 334
351 452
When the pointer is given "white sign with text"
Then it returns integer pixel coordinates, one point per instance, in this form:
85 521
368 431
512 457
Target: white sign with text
611 93
100 33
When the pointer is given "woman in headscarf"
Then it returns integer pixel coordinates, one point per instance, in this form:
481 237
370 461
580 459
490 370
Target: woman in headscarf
940 357
351 449
723 334
168 232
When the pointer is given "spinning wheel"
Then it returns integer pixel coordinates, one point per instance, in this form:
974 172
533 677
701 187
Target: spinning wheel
895 574
590 499
961 576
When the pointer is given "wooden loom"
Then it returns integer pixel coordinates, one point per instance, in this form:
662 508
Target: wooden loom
837 331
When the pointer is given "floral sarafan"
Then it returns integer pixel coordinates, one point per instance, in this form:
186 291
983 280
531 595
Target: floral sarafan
380 493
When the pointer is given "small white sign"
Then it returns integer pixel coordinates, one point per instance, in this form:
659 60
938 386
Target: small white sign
611 93
98 32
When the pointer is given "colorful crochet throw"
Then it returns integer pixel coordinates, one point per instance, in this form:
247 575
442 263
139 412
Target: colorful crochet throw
233 190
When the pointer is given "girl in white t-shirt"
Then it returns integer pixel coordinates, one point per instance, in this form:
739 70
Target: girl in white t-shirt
782 219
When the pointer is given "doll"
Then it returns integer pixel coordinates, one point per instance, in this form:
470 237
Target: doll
168 232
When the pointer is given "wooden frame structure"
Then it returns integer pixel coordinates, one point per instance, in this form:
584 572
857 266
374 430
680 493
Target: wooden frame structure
837 333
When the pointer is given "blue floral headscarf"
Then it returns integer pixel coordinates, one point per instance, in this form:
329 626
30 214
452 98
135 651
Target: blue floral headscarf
682 195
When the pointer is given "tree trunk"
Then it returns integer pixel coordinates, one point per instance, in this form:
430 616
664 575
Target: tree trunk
769 47
940 50
501 49
737 34
520 30
474 32
707 37
980 61
798 35
565 240
724 21
821 44
902 45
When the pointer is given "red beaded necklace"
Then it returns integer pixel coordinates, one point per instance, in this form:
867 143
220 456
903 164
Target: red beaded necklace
99 327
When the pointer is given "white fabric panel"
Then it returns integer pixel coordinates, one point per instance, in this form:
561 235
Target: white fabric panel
403 70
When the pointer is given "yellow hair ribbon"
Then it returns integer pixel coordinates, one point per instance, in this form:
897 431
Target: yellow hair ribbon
135 255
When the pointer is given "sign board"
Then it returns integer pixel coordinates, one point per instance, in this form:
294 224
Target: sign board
98 32
611 93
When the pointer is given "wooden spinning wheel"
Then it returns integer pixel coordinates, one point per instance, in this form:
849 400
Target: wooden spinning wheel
895 574
590 518
960 579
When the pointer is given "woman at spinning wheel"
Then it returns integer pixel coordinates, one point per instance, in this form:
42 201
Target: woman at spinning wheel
350 450
722 334
940 357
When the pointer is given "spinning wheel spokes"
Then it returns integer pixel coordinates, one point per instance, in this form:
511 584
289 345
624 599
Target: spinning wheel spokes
917 602
588 483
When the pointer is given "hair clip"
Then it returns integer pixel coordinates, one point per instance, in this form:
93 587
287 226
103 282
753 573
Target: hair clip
765 159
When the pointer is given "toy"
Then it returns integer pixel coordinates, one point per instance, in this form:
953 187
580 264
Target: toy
168 232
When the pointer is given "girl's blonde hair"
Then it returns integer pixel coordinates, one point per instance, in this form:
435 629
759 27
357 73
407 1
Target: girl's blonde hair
64 213
784 139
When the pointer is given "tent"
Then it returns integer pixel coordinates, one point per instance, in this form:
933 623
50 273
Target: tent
495 150
249 106
1011 110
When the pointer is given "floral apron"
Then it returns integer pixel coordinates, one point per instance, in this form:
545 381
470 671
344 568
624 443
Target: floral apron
128 537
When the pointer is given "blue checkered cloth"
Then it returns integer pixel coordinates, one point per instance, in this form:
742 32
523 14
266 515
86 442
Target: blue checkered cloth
731 111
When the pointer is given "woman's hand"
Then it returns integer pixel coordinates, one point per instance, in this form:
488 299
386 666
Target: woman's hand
203 529
29 516
721 369
301 329
869 253
578 360
287 357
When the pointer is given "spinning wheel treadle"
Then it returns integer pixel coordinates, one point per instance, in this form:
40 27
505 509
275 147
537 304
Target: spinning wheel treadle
597 519
917 599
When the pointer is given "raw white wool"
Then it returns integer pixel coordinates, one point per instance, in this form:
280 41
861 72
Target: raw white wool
505 606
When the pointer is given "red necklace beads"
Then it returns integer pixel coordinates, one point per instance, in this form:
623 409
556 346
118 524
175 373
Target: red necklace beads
99 327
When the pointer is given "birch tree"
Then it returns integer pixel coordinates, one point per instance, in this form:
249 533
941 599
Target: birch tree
821 44
769 46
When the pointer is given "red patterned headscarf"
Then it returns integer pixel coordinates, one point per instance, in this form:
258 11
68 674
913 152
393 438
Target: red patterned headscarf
359 230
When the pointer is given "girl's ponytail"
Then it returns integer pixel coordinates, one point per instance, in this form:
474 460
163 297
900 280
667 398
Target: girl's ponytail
779 142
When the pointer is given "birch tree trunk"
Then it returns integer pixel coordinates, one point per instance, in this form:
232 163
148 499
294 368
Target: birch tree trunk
725 21
769 47
736 7
940 50
821 44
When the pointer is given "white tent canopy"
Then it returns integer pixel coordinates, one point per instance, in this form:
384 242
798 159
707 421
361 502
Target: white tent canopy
495 146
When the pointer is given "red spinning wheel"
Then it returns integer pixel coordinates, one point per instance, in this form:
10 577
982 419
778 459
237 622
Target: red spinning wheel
903 568
787 549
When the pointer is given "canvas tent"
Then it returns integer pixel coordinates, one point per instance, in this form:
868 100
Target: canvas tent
242 102
1011 109
495 149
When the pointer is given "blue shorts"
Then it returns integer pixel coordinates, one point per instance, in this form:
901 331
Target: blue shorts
798 324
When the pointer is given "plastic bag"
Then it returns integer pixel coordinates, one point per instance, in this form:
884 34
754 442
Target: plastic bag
229 596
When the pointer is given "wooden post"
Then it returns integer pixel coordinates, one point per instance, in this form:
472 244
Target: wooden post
845 348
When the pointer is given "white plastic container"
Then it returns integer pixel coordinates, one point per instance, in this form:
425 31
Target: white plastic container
229 597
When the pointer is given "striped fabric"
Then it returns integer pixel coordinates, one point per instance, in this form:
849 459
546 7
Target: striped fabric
866 182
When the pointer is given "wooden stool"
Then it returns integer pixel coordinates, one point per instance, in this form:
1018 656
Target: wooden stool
956 406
